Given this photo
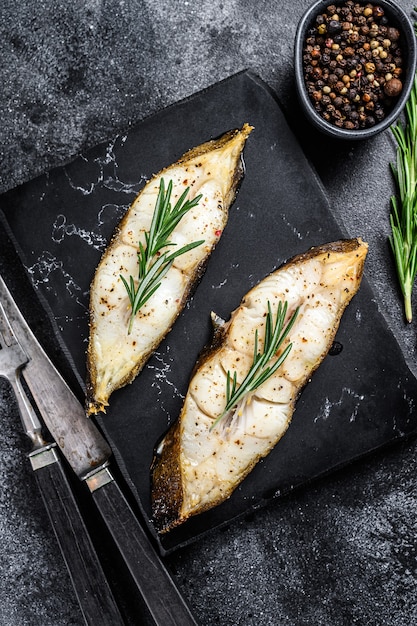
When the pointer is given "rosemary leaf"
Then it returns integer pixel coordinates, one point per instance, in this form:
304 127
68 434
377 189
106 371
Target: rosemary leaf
261 368
152 264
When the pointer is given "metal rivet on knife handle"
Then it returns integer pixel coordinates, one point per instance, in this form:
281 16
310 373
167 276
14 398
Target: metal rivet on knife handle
43 457
99 479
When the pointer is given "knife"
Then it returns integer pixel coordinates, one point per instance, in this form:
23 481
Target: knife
88 454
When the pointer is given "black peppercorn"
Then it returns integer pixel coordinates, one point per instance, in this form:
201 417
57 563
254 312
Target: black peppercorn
379 113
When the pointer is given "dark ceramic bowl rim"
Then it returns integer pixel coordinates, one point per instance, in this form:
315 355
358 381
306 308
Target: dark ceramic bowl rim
399 17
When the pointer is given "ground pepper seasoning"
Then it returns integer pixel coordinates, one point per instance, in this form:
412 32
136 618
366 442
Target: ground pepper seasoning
353 65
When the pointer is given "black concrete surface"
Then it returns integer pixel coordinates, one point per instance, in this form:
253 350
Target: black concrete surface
343 550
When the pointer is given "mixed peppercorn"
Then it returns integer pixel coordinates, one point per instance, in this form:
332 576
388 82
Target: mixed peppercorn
353 64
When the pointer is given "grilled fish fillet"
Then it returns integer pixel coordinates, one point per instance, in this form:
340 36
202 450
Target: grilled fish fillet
114 357
197 466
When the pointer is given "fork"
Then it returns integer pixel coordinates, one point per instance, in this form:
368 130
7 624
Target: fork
12 359
90 584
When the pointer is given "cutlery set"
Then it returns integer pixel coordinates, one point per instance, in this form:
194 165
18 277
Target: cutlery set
42 395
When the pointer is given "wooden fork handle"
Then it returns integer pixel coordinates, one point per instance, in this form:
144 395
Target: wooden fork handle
89 581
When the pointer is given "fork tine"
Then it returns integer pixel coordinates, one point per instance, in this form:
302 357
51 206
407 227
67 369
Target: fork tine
3 329
11 363
8 341
7 336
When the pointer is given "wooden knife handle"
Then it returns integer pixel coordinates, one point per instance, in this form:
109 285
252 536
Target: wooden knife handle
164 602
90 584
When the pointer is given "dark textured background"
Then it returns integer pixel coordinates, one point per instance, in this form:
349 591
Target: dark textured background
342 551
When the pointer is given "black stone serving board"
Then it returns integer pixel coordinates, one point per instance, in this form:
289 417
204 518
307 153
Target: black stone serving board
360 399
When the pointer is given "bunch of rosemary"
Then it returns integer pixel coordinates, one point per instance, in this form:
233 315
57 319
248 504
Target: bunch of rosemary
403 218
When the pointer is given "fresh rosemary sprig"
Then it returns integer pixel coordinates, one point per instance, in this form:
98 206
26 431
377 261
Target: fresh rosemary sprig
153 265
260 370
403 218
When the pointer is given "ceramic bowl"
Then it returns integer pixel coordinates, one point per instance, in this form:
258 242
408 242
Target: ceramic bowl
397 18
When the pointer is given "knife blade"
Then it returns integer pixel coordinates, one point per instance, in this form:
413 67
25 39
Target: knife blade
88 454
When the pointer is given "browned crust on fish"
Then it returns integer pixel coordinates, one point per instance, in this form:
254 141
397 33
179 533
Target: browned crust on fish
214 144
167 480
341 246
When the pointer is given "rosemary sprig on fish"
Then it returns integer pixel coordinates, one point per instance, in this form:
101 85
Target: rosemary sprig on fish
130 317
152 263
262 367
